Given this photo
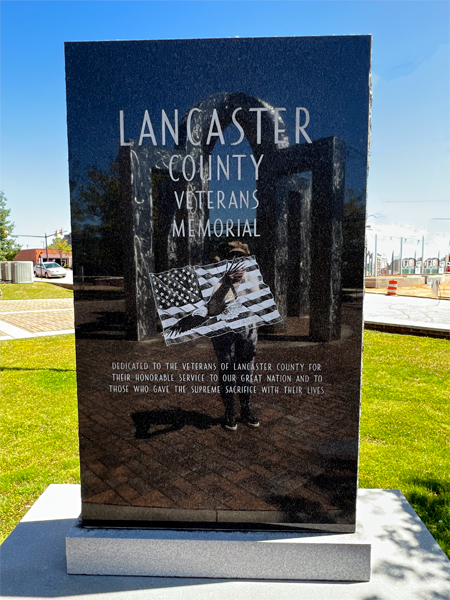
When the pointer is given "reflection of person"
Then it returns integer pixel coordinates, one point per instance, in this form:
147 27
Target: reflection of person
235 351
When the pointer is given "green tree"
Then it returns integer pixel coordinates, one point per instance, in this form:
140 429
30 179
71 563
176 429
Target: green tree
8 246
97 221
62 246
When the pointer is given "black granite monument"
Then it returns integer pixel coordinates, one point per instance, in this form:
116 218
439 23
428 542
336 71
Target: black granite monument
218 203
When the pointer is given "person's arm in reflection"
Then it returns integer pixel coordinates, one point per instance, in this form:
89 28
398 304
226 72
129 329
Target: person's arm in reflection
224 290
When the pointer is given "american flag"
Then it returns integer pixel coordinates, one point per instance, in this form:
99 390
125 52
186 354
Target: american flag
182 297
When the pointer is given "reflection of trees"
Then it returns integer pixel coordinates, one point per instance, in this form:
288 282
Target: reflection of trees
97 223
353 237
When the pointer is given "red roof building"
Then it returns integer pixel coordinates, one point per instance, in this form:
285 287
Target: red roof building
36 254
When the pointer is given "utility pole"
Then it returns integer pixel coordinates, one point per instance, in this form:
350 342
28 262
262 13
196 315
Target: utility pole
45 236
376 257
423 254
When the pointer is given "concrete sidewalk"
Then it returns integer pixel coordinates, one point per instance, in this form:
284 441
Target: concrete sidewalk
425 316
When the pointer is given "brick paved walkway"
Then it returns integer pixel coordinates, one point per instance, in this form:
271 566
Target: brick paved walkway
170 452
30 318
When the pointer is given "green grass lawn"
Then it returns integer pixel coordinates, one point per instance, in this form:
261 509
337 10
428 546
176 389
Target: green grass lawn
405 423
39 421
33 291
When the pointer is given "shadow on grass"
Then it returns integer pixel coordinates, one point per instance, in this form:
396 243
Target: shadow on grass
431 501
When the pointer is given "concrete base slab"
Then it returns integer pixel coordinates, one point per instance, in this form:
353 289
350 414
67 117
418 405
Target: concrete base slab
407 564
224 554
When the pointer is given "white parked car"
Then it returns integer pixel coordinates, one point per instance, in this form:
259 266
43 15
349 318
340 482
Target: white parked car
49 269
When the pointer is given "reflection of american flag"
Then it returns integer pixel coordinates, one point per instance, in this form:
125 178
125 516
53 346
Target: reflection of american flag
182 297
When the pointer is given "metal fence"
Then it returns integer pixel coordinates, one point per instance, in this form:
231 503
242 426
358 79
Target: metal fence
398 255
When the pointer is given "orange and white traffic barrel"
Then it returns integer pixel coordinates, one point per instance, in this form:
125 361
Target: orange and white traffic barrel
392 289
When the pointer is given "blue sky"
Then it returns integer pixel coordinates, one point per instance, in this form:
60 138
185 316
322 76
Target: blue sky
409 179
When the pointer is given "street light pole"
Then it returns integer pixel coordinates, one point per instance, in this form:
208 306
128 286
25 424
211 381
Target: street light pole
376 259
401 254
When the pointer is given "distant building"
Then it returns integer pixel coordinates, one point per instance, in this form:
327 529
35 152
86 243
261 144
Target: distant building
432 266
419 266
382 265
408 266
37 254
444 264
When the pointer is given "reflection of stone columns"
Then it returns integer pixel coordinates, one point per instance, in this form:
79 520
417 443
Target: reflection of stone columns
150 207
299 239
280 258
326 160
327 212
290 264
266 247
168 249
137 199
148 216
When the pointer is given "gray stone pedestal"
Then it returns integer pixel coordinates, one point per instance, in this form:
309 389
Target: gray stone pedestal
228 555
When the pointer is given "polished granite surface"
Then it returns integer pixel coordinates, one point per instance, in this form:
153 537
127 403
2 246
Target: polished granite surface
177 148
